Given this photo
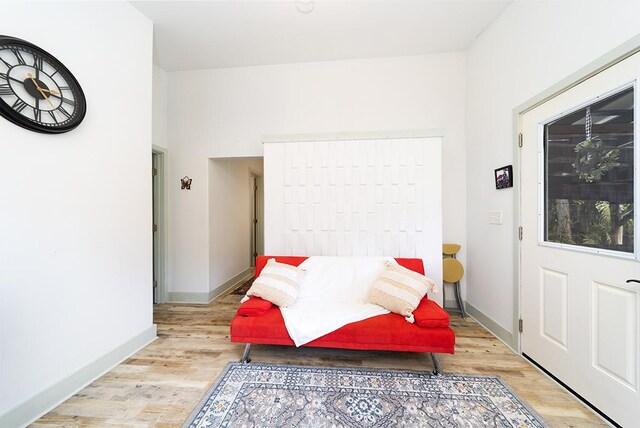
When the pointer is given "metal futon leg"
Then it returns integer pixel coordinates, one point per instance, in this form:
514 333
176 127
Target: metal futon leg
245 357
437 370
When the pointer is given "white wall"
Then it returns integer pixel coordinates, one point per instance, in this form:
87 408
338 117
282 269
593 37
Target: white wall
530 47
160 119
224 113
356 198
230 218
75 225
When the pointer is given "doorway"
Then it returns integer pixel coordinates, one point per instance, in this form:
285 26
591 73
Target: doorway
579 250
236 227
158 224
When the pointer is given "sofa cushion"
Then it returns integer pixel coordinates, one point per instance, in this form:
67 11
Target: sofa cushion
254 307
399 289
278 283
388 332
430 314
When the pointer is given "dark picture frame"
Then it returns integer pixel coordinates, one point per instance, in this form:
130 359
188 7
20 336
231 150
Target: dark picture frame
504 177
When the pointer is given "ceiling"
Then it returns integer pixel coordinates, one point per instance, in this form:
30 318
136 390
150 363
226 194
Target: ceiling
192 35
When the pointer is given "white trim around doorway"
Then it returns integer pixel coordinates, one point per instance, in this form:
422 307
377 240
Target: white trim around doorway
162 294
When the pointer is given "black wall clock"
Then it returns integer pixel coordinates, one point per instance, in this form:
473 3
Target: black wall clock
37 91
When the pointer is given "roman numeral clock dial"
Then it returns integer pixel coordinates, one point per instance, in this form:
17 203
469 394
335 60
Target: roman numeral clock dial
38 92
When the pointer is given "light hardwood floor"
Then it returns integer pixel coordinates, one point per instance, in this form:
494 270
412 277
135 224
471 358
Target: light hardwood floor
160 385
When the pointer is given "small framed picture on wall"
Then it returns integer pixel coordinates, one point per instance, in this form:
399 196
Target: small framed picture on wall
504 177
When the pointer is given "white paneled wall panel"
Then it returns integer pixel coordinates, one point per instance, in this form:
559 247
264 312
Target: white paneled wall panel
361 198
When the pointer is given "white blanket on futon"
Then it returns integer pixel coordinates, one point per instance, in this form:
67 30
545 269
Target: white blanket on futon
333 293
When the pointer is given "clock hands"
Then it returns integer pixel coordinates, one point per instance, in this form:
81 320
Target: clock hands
30 75
34 82
41 90
51 91
21 82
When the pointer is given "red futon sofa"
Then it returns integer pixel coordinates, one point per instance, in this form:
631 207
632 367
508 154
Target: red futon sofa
259 322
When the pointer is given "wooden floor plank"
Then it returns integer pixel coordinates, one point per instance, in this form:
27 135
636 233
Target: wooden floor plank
161 384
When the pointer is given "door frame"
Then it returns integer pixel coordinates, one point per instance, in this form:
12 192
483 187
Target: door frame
160 208
257 233
620 53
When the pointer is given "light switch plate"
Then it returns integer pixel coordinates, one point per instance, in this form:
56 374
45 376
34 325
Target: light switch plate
495 217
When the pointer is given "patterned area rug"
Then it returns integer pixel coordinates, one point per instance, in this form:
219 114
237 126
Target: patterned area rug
242 290
267 395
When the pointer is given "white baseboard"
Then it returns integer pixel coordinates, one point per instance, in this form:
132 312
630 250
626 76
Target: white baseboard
204 298
187 297
33 408
496 329
232 283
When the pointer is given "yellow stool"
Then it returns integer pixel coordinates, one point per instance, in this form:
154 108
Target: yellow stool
450 250
452 272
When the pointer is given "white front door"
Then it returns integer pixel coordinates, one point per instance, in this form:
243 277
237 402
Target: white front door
579 182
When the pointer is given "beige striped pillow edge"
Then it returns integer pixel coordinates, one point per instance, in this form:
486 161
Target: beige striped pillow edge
278 283
400 290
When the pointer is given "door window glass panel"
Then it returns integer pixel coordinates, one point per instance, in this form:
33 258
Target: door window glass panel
588 182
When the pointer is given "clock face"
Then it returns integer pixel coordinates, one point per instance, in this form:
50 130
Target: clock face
37 91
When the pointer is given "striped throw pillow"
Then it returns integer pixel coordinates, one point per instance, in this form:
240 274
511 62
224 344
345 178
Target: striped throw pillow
278 283
400 290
